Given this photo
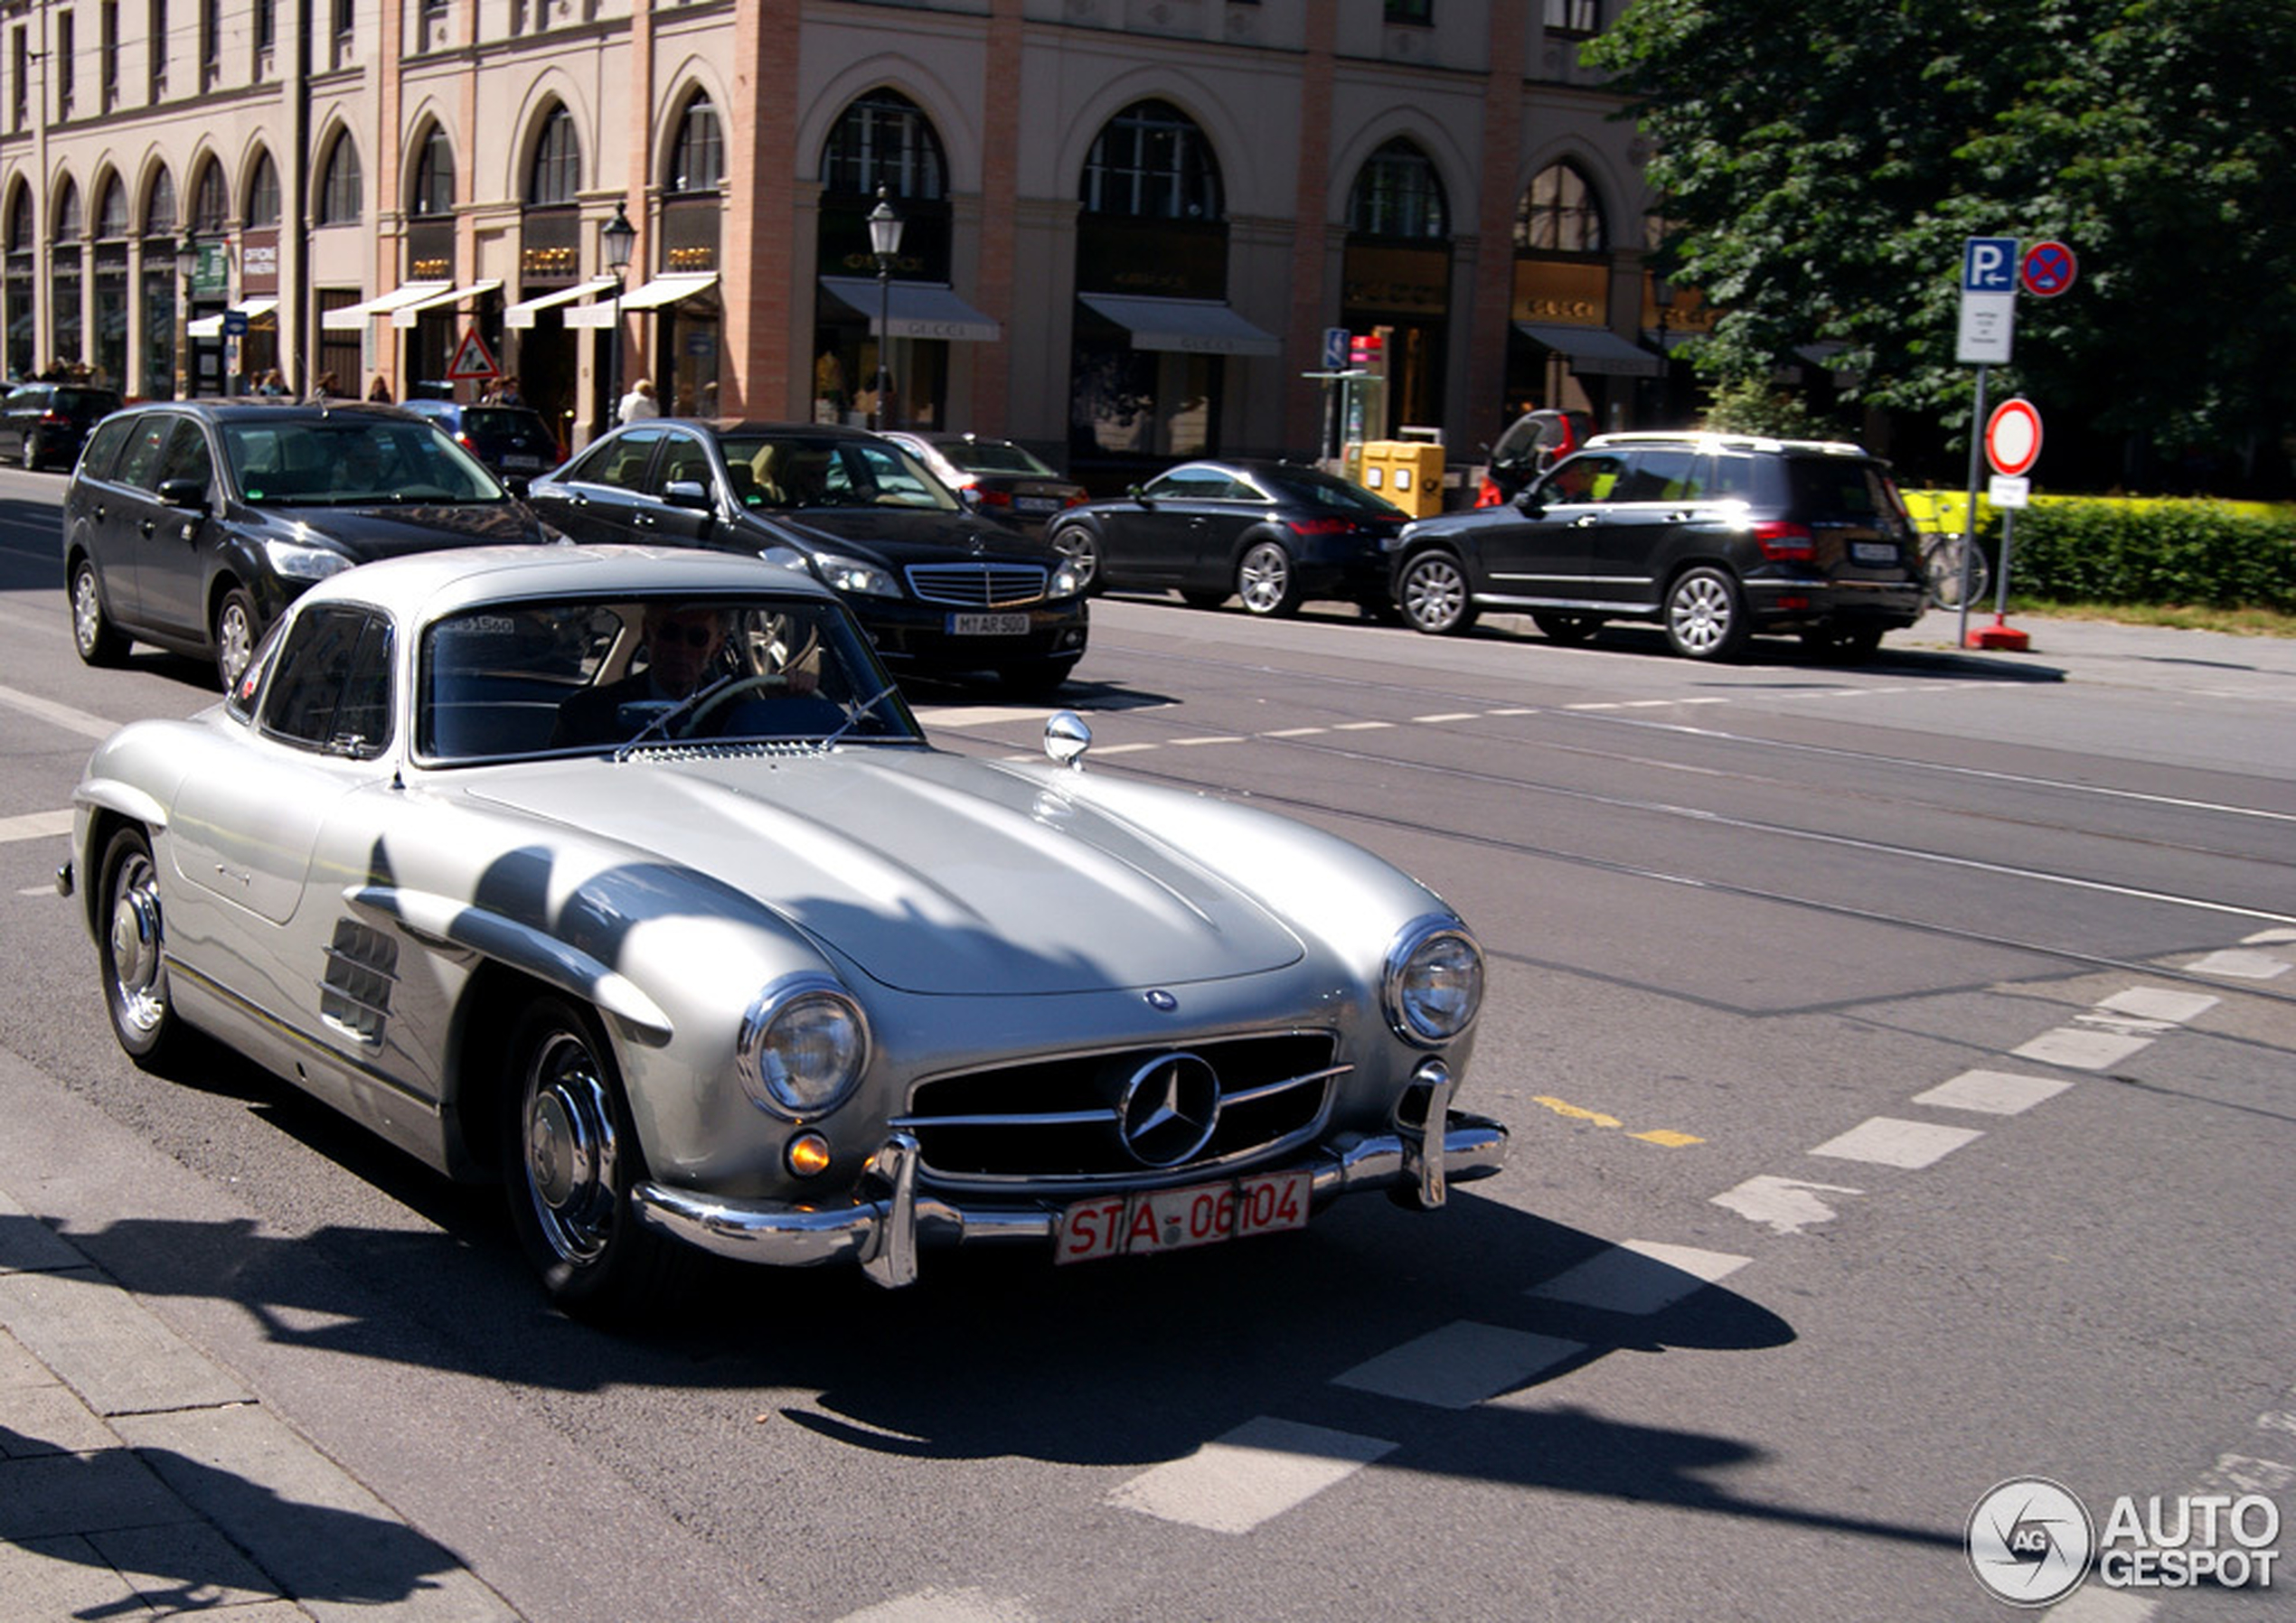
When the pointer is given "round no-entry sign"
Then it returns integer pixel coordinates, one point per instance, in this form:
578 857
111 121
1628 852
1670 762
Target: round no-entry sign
2013 437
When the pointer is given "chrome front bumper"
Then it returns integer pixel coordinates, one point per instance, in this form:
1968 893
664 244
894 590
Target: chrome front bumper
882 1231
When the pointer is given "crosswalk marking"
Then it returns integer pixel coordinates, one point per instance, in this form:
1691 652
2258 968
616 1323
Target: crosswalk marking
1461 1364
1993 1092
1248 1476
1641 1276
2077 1049
1886 1141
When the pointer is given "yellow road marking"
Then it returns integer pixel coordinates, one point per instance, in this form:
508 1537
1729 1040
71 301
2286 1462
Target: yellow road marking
1664 1136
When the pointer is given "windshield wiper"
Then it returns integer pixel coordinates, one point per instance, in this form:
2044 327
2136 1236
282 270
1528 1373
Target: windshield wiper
680 709
854 712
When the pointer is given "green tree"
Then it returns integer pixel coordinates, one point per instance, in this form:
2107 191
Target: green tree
1821 163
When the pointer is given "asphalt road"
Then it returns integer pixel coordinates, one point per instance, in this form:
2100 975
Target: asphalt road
1933 1010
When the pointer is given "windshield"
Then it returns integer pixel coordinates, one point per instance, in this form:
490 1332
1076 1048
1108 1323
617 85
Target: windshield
345 460
992 456
803 470
596 676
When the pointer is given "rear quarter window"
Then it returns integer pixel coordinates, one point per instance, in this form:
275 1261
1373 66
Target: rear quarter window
1826 488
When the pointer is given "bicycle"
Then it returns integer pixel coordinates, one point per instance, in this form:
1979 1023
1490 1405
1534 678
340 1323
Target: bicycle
1940 563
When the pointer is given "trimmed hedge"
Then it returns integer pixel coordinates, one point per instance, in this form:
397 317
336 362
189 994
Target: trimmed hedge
2111 550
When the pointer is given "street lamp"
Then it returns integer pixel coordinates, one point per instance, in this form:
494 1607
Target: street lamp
616 237
186 267
885 242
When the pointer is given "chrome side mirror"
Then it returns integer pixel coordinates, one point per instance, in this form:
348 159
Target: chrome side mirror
1065 738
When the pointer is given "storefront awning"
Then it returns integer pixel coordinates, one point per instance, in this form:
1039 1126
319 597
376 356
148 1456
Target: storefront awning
352 317
407 314
918 309
521 314
211 326
1593 349
1197 326
652 295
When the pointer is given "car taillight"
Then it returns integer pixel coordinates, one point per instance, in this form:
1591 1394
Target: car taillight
463 441
1075 499
1785 543
54 418
993 498
1319 526
1487 494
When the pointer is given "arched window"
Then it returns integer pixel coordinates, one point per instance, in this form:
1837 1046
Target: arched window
20 232
1558 213
1151 162
111 212
159 212
263 193
885 139
68 220
435 175
1397 194
557 173
698 151
342 188
210 203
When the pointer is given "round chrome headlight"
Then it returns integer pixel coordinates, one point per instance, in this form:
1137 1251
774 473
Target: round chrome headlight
1434 982
804 1045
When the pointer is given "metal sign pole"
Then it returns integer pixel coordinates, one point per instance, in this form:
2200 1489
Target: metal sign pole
1969 519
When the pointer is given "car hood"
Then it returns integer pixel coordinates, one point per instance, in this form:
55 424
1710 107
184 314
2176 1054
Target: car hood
934 873
899 537
364 534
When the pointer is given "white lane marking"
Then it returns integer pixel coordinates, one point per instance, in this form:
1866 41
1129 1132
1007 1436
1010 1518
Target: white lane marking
1886 1141
2093 1603
1296 732
2080 1050
1362 726
1254 1473
2241 966
2246 1474
36 825
1460 1364
2264 938
1785 1206
1448 716
1207 738
1993 1092
2159 1003
1639 1277
942 1605
62 716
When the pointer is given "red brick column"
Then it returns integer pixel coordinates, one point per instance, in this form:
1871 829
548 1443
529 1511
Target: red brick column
1304 343
759 377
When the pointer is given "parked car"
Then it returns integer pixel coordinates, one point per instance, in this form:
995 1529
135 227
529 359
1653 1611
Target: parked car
1533 443
192 524
43 425
1716 537
1274 534
756 970
515 441
942 591
995 477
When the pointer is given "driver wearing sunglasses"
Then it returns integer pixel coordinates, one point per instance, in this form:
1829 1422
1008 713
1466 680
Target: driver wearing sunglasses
677 653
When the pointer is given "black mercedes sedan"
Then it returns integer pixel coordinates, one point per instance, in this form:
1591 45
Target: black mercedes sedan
1274 534
191 524
941 591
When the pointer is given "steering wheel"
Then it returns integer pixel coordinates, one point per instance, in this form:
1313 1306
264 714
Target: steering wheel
763 682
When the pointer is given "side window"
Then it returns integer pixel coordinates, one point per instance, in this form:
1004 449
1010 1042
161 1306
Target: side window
332 689
1659 475
24 394
622 462
682 458
187 455
1594 476
1731 475
105 444
1193 484
139 463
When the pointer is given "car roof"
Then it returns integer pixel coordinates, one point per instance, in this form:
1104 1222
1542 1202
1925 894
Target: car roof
1727 442
253 407
422 586
742 425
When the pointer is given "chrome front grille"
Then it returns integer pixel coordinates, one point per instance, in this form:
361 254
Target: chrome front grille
977 585
1058 1124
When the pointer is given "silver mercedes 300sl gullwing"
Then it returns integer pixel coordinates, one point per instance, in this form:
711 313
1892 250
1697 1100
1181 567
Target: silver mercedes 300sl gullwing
627 876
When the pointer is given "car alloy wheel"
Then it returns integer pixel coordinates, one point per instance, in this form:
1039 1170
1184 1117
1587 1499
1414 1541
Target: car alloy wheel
93 636
1434 594
31 453
1265 581
235 634
1705 616
1080 546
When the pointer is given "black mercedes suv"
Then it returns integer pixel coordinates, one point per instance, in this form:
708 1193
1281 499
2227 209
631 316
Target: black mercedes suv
1714 536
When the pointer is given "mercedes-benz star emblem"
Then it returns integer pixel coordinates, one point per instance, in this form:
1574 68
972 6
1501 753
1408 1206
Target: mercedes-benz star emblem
1169 1107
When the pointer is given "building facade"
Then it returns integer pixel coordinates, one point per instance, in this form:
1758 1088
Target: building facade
1128 226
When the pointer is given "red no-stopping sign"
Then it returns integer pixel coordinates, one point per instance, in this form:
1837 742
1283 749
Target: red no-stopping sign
2047 269
2013 437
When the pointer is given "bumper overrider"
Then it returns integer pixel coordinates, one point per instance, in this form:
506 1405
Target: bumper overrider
888 1218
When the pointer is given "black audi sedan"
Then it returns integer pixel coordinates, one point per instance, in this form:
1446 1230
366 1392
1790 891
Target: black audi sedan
1274 534
192 524
940 590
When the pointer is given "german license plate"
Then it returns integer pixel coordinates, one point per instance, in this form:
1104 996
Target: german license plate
1175 1219
1036 503
988 626
514 460
1874 552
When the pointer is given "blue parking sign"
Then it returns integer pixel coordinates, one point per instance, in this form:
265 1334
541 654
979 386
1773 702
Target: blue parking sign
1335 349
1988 265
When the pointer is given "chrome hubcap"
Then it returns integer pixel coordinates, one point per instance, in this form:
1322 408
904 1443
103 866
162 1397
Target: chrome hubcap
1432 595
87 609
571 1149
1701 614
134 940
234 641
1266 575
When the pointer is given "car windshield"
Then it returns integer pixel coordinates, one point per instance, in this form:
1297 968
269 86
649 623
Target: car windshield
1321 489
992 456
627 675
346 459
803 470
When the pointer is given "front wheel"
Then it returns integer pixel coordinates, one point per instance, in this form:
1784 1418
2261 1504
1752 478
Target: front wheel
1706 616
1081 547
31 454
1434 594
132 952
569 1162
94 637
236 630
1267 582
